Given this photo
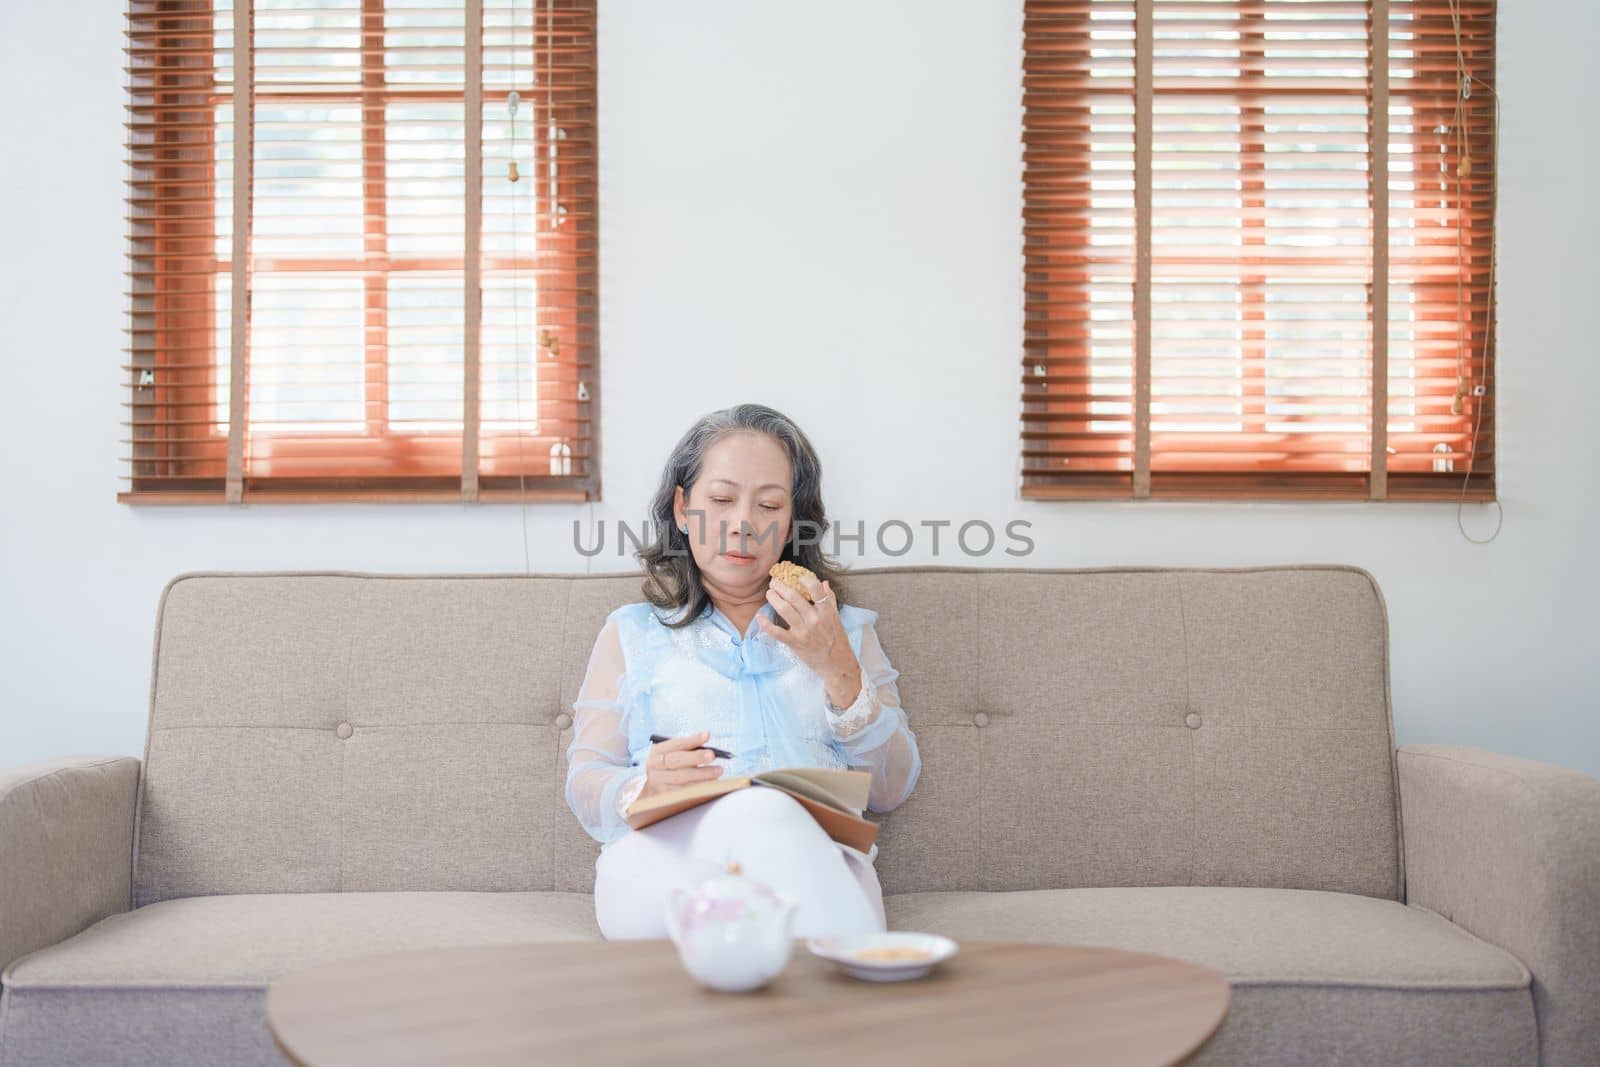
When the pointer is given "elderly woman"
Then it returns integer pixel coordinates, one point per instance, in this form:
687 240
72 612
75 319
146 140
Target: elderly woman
707 663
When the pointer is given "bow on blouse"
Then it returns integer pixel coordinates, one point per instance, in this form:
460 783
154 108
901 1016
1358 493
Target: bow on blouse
737 656
752 655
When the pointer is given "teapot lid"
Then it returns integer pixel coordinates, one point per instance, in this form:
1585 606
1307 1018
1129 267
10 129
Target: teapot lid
735 885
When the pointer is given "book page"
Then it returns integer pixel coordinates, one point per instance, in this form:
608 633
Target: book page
844 790
834 798
684 797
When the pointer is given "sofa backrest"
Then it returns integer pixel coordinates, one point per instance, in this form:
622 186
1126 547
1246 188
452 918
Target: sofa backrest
325 732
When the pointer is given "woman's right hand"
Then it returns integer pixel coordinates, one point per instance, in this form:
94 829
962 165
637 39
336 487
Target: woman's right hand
678 762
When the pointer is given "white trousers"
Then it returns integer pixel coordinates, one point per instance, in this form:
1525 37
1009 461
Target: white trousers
773 839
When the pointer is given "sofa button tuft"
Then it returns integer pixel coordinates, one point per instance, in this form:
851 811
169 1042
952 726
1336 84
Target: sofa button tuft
563 721
980 719
344 730
1192 720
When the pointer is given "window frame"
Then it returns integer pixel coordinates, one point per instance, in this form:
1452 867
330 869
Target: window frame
1049 227
405 459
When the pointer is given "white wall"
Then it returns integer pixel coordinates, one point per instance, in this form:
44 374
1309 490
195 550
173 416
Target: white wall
800 208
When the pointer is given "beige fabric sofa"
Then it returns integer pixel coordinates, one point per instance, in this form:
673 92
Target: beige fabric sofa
1193 762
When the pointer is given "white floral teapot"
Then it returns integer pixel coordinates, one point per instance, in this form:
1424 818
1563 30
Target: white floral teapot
733 933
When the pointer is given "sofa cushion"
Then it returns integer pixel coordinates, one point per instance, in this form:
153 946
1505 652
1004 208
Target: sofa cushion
1318 977
254 939
1141 727
184 981
324 732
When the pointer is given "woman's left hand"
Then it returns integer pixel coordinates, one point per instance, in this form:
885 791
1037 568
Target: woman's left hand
816 633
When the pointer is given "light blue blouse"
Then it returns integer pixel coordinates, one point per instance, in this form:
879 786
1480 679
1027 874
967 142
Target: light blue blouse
756 697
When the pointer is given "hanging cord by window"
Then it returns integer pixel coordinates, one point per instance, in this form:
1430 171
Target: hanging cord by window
561 454
1463 171
513 100
588 559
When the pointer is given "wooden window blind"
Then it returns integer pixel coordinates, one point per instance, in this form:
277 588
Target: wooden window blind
1248 226
336 291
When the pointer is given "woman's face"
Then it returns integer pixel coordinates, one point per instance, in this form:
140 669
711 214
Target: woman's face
739 511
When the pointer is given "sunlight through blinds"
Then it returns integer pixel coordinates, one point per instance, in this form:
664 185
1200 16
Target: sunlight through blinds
387 324
1226 347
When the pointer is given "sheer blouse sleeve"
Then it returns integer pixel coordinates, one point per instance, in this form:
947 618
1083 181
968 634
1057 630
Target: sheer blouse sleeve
873 733
601 778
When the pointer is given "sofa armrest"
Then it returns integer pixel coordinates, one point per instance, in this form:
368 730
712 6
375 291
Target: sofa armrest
1509 849
66 848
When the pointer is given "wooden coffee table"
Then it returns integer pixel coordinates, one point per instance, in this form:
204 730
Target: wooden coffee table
630 1002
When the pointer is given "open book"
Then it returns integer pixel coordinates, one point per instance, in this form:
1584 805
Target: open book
835 799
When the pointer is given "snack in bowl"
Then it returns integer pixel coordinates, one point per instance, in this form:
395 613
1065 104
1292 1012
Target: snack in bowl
887 957
789 573
896 953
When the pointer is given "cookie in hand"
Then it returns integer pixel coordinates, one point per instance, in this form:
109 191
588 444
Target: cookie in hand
789 573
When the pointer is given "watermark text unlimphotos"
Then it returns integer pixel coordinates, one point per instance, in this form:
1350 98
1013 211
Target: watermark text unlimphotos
892 537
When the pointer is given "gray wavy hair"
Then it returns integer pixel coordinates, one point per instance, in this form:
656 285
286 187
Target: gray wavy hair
672 577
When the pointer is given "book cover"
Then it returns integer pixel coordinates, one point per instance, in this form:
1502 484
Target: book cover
836 799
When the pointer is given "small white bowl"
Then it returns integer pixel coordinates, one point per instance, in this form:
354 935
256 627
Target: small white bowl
855 954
